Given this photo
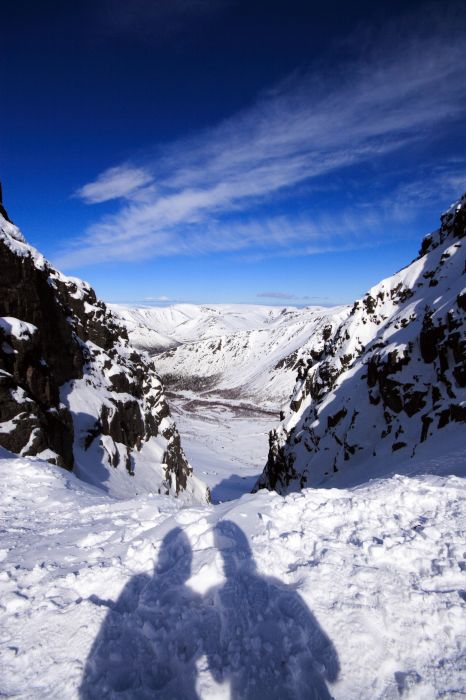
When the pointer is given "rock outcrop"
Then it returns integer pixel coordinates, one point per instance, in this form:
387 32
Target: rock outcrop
72 389
390 378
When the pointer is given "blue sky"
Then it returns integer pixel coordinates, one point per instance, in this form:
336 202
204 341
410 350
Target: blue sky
230 151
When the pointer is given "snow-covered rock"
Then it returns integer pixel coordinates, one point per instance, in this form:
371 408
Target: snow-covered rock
73 390
390 378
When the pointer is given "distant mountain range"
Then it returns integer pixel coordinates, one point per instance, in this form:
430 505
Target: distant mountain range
360 389
248 352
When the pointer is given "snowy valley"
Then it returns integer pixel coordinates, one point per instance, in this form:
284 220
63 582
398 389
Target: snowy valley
228 372
121 580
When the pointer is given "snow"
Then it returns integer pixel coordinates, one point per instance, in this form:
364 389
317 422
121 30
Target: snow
225 439
345 593
7 426
231 346
120 467
14 327
15 241
337 421
352 590
85 398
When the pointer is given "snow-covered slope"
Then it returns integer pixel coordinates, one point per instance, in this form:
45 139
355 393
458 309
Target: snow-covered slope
73 390
167 326
390 378
344 593
239 351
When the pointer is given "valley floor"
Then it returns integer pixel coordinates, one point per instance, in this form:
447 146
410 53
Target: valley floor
224 438
346 593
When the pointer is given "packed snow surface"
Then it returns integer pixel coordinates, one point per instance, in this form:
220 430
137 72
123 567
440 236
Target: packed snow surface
344 593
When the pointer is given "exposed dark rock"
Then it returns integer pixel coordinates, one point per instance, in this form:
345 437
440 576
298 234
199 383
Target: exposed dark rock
461 301
280 470
287 362
429 338
332 421
426 421
370 303
2 208
54 332
327 332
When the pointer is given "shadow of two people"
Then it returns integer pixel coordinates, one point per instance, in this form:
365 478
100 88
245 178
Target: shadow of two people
252 632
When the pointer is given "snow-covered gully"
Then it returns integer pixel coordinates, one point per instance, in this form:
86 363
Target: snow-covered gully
344 593
354 589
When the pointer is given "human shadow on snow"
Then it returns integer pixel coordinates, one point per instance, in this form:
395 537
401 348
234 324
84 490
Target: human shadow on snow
253 633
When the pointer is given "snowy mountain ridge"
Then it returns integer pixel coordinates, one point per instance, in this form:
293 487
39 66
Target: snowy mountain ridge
245 351
157 328
390 378
346 593
73 390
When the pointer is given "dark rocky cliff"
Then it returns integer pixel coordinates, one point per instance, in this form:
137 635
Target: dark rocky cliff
72 390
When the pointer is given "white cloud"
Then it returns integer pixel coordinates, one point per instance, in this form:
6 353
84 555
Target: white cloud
271 237
303 129
123 181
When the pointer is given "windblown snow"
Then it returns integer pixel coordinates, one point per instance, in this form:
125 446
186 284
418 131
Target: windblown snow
344 593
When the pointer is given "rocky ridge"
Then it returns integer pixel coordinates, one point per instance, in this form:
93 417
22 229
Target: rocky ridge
73 391
391 377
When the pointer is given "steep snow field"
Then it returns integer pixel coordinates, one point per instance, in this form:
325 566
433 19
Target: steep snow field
391 378
344 593
73 391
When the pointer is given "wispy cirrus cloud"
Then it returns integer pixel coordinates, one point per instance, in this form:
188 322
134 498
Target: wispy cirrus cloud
208 187
120 182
